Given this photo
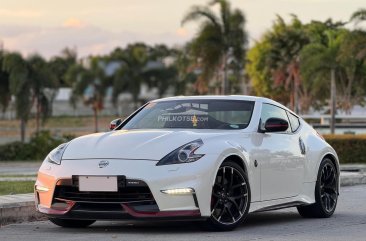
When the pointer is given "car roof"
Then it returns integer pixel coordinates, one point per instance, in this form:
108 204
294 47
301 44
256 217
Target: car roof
226 97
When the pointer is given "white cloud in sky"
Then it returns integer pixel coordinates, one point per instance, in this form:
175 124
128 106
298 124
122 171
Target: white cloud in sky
73 23
87 39
182 32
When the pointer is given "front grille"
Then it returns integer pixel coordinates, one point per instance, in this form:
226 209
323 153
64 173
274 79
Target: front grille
126 194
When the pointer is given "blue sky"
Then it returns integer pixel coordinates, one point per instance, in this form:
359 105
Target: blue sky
98 26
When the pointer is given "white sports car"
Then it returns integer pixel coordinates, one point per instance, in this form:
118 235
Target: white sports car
210 158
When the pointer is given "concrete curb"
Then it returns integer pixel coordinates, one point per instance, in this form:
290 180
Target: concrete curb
352 178
19 212
20 208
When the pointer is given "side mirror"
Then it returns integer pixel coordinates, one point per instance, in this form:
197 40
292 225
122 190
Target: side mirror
115 123
275 125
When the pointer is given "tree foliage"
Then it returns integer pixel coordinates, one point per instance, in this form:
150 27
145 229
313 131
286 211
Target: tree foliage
292 63
358 16
5 95
28 81
89 85
294 53
219 44
60 64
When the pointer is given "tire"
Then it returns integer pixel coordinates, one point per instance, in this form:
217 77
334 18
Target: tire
326 193
230 198
71 223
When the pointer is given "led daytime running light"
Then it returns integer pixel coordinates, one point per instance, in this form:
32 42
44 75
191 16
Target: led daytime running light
178 191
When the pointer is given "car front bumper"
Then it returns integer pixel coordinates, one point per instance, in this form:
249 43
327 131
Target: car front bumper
197 176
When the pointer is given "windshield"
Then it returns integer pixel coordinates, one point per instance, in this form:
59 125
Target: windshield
193 114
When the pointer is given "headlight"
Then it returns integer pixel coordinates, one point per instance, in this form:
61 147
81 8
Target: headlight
183 154
55 155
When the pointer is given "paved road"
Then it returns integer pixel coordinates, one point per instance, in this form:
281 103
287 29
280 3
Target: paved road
19 168
348 223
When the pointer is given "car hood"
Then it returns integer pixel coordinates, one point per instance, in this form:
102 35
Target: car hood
132 144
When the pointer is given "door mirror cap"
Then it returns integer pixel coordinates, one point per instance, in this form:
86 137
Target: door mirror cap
114 123
275 125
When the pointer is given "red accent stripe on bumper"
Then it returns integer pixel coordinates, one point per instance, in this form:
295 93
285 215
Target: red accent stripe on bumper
184 213
56 211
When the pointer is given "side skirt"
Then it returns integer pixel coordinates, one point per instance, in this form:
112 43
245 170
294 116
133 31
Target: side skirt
281 206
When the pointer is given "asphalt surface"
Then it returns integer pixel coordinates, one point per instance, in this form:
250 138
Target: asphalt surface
19 168
348 223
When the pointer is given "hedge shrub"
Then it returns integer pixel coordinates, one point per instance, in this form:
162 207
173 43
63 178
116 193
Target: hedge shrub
36 149
350 148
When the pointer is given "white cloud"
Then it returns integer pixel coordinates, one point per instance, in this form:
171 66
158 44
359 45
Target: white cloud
182 32
73 23
87 39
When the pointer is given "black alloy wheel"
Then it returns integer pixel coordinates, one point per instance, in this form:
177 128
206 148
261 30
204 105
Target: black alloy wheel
230 197
328 187
326 192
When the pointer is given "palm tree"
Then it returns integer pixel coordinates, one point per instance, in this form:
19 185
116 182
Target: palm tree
41 77
353 56
29 79
259 72
160 71
318 58
5 94
131 75
185 68
219 40
89 85
162 77
358 16
284 56
61 63
20 87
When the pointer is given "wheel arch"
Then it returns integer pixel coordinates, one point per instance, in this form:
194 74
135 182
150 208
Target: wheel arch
234 156
238 160
333 159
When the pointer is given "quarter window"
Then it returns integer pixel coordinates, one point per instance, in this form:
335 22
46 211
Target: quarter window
294 121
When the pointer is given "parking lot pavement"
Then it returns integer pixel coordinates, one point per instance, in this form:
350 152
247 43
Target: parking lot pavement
348 223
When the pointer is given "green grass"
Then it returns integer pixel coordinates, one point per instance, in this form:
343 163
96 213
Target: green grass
14 187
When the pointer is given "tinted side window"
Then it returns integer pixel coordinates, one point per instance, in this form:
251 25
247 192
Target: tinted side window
294 121
272 111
